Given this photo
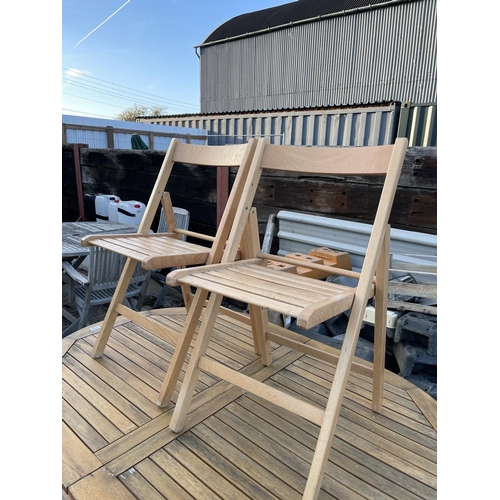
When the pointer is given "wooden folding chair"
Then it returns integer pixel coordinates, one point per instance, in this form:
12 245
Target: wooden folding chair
167 250
311 301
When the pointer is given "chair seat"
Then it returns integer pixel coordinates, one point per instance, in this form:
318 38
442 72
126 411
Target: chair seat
154 251
310 301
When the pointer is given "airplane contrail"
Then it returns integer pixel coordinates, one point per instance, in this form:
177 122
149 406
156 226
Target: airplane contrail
101 24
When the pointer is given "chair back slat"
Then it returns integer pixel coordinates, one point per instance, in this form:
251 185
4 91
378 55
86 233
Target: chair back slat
372 160
220 156
178 152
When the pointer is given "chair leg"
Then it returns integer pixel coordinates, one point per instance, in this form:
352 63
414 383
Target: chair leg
111 314
161 296
187 296
86 315
192 373
260 324
334 403
382 275
258 315
181 349
142 296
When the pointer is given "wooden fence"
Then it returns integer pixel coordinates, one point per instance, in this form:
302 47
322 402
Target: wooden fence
109 132
131 175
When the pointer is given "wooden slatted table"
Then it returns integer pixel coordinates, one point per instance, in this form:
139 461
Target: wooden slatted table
73 232
117 444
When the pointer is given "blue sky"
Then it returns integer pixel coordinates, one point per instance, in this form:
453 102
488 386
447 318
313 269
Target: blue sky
121 52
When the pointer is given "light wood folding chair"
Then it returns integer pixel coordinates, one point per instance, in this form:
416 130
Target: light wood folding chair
311 301
169 250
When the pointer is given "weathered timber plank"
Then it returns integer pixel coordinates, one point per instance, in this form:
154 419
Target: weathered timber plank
203 405
125 406
354 419
182 476
418 432
88 412
412 208
393 382
319 368
357 385
162 349
295 456
66 344
234 341
108 410
217 458
100 485
81 428
155 476
300 437
132 174
77 459
137 445
426 404
222 487
118 379
321 386
253 461
298 428
140 487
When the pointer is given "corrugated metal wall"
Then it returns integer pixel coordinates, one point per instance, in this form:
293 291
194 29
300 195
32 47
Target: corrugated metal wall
95 133
368 126
299 232
418 122
382 55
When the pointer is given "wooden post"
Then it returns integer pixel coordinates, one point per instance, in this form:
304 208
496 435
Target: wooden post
111 138
78 175
222 191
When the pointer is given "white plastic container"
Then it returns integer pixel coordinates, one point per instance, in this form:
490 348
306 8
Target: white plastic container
102 206
130 212
113 210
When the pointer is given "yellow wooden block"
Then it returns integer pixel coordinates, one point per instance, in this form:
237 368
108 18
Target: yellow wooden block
324 256
333 257
279 266
304 271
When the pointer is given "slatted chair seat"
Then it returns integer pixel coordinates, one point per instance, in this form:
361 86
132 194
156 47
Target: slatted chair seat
154 251
311 302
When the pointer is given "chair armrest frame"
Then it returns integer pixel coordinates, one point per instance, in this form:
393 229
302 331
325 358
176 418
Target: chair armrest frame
74 273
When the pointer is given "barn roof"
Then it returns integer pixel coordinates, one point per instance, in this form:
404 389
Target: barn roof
282 15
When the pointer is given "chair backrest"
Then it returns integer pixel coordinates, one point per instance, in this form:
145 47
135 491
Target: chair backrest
326 161
181 220
352 161
236 155
209 156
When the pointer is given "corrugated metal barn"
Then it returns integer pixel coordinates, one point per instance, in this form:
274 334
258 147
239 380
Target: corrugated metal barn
316 53
310 62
